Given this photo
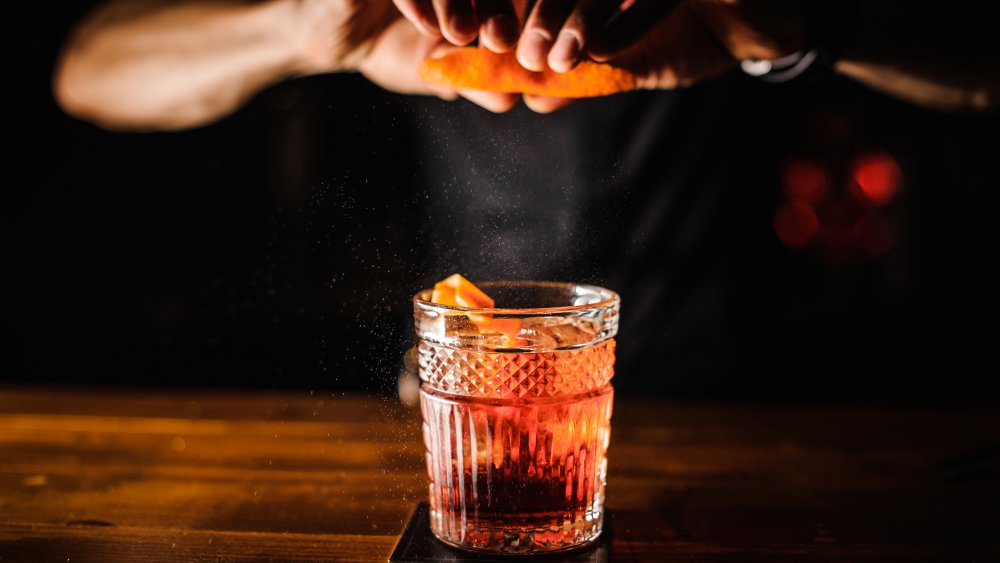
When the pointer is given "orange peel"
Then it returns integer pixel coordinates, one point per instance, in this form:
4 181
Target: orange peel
457 291
475 68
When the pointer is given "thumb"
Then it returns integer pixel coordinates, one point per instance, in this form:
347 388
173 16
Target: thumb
679 51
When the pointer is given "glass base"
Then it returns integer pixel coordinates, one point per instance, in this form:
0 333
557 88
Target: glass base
417 544
522 535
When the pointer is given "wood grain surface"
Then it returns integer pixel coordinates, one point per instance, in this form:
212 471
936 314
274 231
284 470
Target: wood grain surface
173 475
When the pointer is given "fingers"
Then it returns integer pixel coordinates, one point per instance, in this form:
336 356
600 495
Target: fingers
446 95
585 21
558 32
628 26
540 32
494 101
460 21
556 35
545 104
421 14
394 58
498 24
457 20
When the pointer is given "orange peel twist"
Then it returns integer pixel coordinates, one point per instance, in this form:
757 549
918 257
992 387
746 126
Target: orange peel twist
475 68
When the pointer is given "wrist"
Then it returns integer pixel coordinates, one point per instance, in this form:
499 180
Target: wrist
337 36
308 29
274 27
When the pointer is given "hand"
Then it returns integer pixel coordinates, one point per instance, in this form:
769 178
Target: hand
369 36
667 44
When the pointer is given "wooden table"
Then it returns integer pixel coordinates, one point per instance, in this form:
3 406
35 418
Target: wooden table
112 475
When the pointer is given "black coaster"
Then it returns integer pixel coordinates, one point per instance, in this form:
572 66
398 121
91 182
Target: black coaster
418 544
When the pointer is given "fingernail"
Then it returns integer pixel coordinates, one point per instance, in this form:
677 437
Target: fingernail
533 49
463 25
565 53
503 30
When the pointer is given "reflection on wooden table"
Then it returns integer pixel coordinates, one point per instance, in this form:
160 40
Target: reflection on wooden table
115 475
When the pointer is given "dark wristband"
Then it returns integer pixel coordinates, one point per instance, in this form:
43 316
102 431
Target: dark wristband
781 69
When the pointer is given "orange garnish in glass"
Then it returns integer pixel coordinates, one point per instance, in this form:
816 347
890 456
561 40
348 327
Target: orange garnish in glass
457 291
476 68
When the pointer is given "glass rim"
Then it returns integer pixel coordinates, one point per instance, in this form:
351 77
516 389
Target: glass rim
611 299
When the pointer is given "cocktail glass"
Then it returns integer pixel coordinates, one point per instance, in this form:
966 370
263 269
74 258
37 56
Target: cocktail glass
517 426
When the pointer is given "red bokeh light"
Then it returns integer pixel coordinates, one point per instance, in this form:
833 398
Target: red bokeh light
795 224
839 224
878 177
804 180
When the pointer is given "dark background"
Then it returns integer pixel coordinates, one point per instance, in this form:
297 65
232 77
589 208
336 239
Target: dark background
279 247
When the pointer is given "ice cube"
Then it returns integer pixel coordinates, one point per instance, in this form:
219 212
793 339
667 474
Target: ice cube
460 325
558 331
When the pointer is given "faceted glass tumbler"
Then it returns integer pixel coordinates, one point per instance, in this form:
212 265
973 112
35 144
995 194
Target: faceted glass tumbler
517 426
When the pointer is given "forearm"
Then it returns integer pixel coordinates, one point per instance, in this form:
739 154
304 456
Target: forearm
918 86
921 53
168 65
